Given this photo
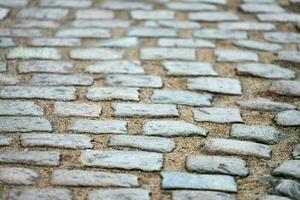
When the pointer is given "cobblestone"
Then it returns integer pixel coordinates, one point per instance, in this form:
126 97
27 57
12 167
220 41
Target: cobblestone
20 108
24 124
18 176
122 194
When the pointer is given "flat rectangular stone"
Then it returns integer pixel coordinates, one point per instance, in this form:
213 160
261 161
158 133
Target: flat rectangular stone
125 42
167 53
24 124
169 42
20 108
13 3
37 158
230 55
179 68
194 195
42 13
7 42
21 33
5 140
287 187
247 26
98 126
219 34
101 23
67 141
135 80
290 168
282 37
139 160
121 5
18 176
112 93
261 8
144 110
263 104
217 115
58 67
152 15
59 79
34 53
96 54
83 33
45 193
116 67
182 6
66 3
237 147
94 14
262 46
9 79
213 16
31 23
279 17
56 42
112 194
26 92
259 1
3 13
151 32
67 109
286 88
180 180
178 24
217 2
288 118
291 56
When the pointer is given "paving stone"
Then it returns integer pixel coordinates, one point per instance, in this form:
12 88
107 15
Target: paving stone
34 53
170 128
289 188
152 15
38 158
98 126
180 180
116 67
121 5
20 108
125 42
94 14
92 178
169 42
9 79
59 79
191 6
217 165
181 97
218 2
83 33
42 13
288 118
261 8
237 147
7 42
273 197
262 46
66 3
179 68
220 34
282 37
152 32
96 54
259 1
289 168
292 56
231 55
279 17
24 124
18 176
38 194
247 26
121 194
13 3
3 67
217 115
145 161
258 133
213 16
296 151
217 85
56 42
31 23
135 81
194 195
58 67
156 144
265 71
21 33
101 23
5 140
286 88
25 92
144 110
167 53
178 24
262 104
67 141
66 109
3 13
112 93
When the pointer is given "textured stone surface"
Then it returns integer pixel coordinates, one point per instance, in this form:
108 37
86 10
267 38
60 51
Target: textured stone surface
101 23
282 37
125 42
246 26
263 104
45 67
24 124
66 3
20 108
116 67
5 140
179 68
228 55
262 46
220 34
152 15
261 8
190 6
134 81
94 14
3 13
34 53
18 176
279 17
43 13
9 80
289 168
168 42
96 54
167 53
112 93
213 16
296 151
84 33
288 118
56 42
287 187
66 109
291 56
179 24
286 88
194 195
149 32
65 80
273 197
36 194
121 194
217 115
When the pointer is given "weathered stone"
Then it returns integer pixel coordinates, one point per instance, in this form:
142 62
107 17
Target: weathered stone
56 42
262 46
24 124
153 14
116 67
121 5
22 33
58 67
101 23
288 188
259 1
220 34
9 79
273 197
96 54
178 24
167 53
5 140
66 109
218 2
33 23
217 115
263 104
213 16
194 195
191 6
296 151
59 79
291 56
112 93
282 37
286 88
94 14
20 108
229 55
261 8
83 33
279 17
288 118
18 176
3 13
290 168
3 67
38 194
43 13
125 42
66 3
34 53
134 81
7 42
13 3
169 42
152 32
121 194
247 26
178 68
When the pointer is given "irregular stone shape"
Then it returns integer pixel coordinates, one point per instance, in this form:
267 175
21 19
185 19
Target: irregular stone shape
247 26
22 33
83 33
291 56
92 178
112 93
282 37
286 88
237 147
58 67
181 180
38 194
261 8
139 160
66 109
288 188
178 68
169 42
34 53
9 79
144 110
169 128
290 168
7 42
121 194
20 108
220 34
217 115
24 124
258 133
156 144
217 165
181 97
153 14
56 42
96 54
27 92
258 1
121 5
116 67
214 16
229 55
279 17
288 118
190 6
101 23
152 32
125 42
167 53
3 67
5 140
94 14
98 126
3 13
218 2
43 13
18 176
262 46
59 79
208 195
33 23
273 197
296 151
66 3
13 3
178 24
67 141
216 85
135 80
38 158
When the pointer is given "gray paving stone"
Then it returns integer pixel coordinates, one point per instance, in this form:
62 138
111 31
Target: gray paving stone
139 160
67 141
265 71
216 85
191 6
3 13
92 178
208 195
20 108
262 46
261 8
179 68
125 42
135 80
121 5
59 79
214 16
152 32
116 67
96 54
282 37
220 34
121 194
24 124
42 13
5 140
286 187
286 88
273 197
38 194
18 176
3 67
178 24
94 14
67 109
167 53
289 168
32 23
13 3
55 42
170 128
232 55
7 42
291 56
112 93
217 115
259 1
66 3
26 92
98 126
247 26
180 180
21 33
9 79
262 104
279 17
217 2
38 158
169 42
152 15
101 23
144 110
237 147
156 144
34 53
181 97
296 151
217 165
83 33
288 118
58 67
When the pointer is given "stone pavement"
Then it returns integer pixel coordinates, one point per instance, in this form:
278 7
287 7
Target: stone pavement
157 99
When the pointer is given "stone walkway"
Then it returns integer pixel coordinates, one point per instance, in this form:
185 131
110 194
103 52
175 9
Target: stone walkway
157 99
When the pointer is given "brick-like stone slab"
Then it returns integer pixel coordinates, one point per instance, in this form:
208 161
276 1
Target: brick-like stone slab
194 195
116 67
289 168
288 118
66 3
67 109
83 33
287 187
38 194
286 88
230 55
43 13
170 42
296 151
261 46
125 42
96 54
152 15
168 53
61 80
34 53
120 5
180 68
149 32
24 124
150 81
247 26
214 16
282 37
261 8
291 56
219 34
279 17
18 176
112 93
58 67
20 108
121 194
217 115
94 14
56 42
5 140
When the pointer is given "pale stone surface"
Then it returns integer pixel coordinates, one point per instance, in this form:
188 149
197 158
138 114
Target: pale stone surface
169 42
96 54
213 16
83 33
273 197
21 33
101 23
282 37
217 115
20 108
18 176
34 53
152 15
35 23
191 6
125 42
94 14
230 55
112 93
59 79
24 124
66 109
220 34
116 67
120 194
43 13
261 8
13 3
247 26
135 80
296 151
262 46
289 168
178 24
3 66
9 79
38 194
5 140
262 104
288 118
179 68
7 42
168 53
279 17
56 42
58 67
120 5
66 3
3 13
286 88
292 56
217 2
194 195
287 187
152 32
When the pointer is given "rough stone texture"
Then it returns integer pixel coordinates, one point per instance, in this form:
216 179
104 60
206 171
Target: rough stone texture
119 5
101 23
84 33
288 118
56 42
286 88
167 53
7 42
220 34
179 24
66 109
273 197
18 176
3 13
262 46
43 13
66 3
289 188
24 124
112 93
148 32
96 54
20 108
3 67
5 140
178 68
291 56
168 42
289 168
9 80
208 195
279 17
213 16
125 42
261 8
45 67
65 80
121 194
296 151
116 67
282 37
247 26
38 194
34 53
217 115
152 15
228 55
135 81
94 14
190 6
263 104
